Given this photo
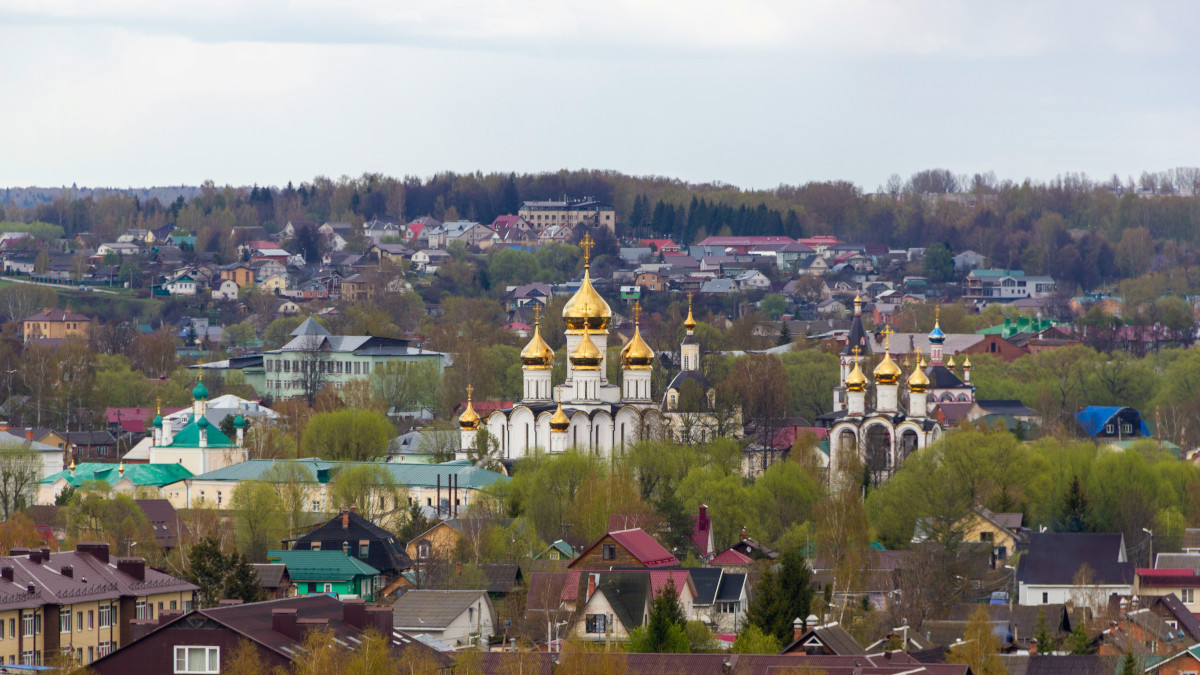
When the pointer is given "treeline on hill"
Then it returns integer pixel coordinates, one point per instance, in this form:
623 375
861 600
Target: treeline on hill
1076 228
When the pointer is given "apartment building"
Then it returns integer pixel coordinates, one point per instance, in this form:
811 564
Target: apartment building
569 213
80 601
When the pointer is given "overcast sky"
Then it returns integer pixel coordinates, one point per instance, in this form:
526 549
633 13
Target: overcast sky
146 92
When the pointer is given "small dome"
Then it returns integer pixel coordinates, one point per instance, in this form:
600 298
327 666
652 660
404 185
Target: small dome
967 363
559 421
239 422
200 392
158 421
537 354
202 422
586 355
469 420
637 355
856 381
887 372
586 307
917 381
689 323
950 362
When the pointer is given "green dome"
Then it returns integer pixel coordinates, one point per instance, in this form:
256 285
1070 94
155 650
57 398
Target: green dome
200 392
202 422
239 422
158 422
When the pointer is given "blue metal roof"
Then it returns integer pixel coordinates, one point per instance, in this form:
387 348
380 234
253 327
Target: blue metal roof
1094 417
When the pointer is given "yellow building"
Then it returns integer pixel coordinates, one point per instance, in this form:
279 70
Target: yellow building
569 213
1004 531
80 601
55 324
436 543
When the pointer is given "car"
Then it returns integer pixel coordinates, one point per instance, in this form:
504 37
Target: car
999 598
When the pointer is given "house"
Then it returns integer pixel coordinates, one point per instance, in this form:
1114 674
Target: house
717 287
1047 572
357 288
276 283
52 458
1180 582
395 254
722 663
428 260
265 269
201 641
556 552
239 273
610 604
93 445
1185 662
435 544
968 260
1111 422
274 579
474 235
53 323
1003 531
752 280
461 618
1021 620
337 572
223 289
720 599
625 548
351 533
516 297
652 282
184 285
992 285
380 228
121 249
120 479
80 601
826 640
164 520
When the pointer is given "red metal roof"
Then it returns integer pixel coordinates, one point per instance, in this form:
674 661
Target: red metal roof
731 557
643 547
658 581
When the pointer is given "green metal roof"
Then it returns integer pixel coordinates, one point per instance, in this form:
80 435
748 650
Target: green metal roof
322 565
156 475
560 546
189 436
412 475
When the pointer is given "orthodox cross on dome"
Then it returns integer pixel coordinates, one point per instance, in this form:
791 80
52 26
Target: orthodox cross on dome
689 302
918 352
537 313
586 244
937 314
469 390
637 311
887 338
856 351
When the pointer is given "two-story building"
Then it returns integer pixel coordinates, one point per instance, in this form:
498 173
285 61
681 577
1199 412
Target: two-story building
55 324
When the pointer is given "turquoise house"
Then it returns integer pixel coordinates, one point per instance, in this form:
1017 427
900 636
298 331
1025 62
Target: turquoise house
332 572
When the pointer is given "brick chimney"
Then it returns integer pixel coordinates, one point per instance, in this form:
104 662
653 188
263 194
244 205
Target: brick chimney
354 612
1033 646
96 549
29 434
140 628
591 586
283 621
380 618
134 567
797 628
345 519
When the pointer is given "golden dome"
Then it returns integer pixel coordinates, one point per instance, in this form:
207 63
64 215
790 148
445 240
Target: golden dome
586 355
856 381
917 381
537 355
689 323
586 307
637 355
559 421
887 372
950 362
967 363
469 420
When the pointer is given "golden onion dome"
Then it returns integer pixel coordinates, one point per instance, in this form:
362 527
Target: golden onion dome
586 355
918 381
586 307
537 355
856 381
967 363
689 323
469 420
559 421
887 372
950 362
637 355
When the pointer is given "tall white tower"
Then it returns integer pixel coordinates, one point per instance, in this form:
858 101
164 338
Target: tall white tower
689 351
636 361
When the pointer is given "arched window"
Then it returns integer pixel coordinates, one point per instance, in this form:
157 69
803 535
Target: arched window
947 396
963 398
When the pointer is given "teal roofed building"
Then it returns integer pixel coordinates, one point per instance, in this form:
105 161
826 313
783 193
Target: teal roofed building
333 572
200 446
445 486
120 478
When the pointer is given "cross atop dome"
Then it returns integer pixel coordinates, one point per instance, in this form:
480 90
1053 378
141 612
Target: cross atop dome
586 244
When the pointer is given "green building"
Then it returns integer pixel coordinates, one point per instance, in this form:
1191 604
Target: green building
315 358
333 572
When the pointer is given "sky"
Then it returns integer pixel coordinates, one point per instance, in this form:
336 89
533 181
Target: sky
125 93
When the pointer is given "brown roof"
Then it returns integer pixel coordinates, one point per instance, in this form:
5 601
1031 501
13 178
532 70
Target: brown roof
55 314
164 520
546 589
888 663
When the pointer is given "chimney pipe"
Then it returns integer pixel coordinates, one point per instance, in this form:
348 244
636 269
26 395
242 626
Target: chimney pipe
591 586
283 621
438 501
354 613
67 571
797 628
29 434
345 519
6 572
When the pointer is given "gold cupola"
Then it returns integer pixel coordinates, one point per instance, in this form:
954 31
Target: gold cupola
856 381
537 355
887 372
586 355
918 382
469 420
637 355
586 308
689 323
559 421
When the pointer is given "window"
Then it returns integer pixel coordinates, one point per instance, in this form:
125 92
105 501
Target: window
105 649
29 624
173 605
28 658
142 612
364 547
197 659
91 654
1045 598
985 536
187 605
328 588
64 620
1110 429
91 619
316 505
423 550
610 552
316 546
597 623
1188 595
79 621
1127 428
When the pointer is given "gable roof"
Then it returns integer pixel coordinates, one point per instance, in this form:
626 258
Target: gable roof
384 554
832 636
1094 417
731 557
423 610
1054 558
732 585
270 575
321 565
640 545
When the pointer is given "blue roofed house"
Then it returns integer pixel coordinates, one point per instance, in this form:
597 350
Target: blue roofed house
1103 423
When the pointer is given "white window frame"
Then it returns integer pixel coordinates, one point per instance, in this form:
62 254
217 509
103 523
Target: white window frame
141 608
104 617
212 659
1188 595
28 624
64 620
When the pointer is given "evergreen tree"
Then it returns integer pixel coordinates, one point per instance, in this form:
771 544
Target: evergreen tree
785 335
782 596
1076 510
241 582
1129 664
1045 642
678 523
665 630
206 569
1079 642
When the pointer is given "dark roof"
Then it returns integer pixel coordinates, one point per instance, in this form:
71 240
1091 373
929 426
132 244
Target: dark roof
626 592
434 610
706 580
1023 619
888 663
1187 620
270 575
164 520
834 638
685 375
384 553
91 438
1089 664
731 587
1191 538
941 377
545 590
1011 407
857 336
1055 558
